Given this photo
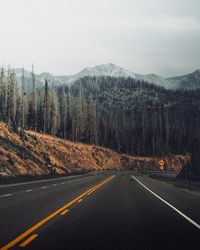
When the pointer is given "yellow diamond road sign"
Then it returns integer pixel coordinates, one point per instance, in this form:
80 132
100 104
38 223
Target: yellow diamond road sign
161 163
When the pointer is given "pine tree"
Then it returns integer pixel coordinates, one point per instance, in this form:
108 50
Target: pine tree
54 118
33 101
46 107
2 96
23 101
11 98
81 113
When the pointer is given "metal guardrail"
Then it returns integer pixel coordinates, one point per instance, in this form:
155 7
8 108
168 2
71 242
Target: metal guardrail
159 173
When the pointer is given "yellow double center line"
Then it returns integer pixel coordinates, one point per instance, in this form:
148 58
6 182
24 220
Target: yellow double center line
49 217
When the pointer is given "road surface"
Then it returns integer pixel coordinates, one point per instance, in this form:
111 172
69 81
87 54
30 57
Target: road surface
111 210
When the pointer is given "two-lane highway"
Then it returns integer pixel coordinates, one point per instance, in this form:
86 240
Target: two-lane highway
106 211
24 205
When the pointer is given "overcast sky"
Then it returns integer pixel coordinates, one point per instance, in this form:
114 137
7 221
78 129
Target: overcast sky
64 36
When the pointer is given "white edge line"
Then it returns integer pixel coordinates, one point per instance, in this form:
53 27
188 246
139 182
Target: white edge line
6 195
73 177
167 203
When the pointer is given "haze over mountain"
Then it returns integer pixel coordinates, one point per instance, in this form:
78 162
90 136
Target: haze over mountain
188 81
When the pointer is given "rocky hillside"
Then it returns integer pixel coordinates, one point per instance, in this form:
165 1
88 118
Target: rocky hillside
31 153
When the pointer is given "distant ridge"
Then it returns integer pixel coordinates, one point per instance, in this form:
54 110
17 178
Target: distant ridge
189 81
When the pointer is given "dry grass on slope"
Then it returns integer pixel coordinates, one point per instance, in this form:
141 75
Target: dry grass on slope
32 153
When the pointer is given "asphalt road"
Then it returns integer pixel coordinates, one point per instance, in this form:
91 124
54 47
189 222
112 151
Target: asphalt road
111 210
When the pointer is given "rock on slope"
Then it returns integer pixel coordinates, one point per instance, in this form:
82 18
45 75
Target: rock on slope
32 153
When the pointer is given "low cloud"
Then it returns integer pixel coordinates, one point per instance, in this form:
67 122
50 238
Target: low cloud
63 36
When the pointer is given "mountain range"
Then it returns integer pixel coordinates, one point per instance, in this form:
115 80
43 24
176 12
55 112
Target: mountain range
188 81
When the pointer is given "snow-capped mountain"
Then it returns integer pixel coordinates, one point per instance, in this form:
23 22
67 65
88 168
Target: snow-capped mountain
155 79
100 70
39 78
107 70
189 81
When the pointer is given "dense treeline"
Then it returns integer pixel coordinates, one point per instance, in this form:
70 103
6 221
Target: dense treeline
124 114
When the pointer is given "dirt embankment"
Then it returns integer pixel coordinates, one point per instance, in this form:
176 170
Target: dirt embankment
32 153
